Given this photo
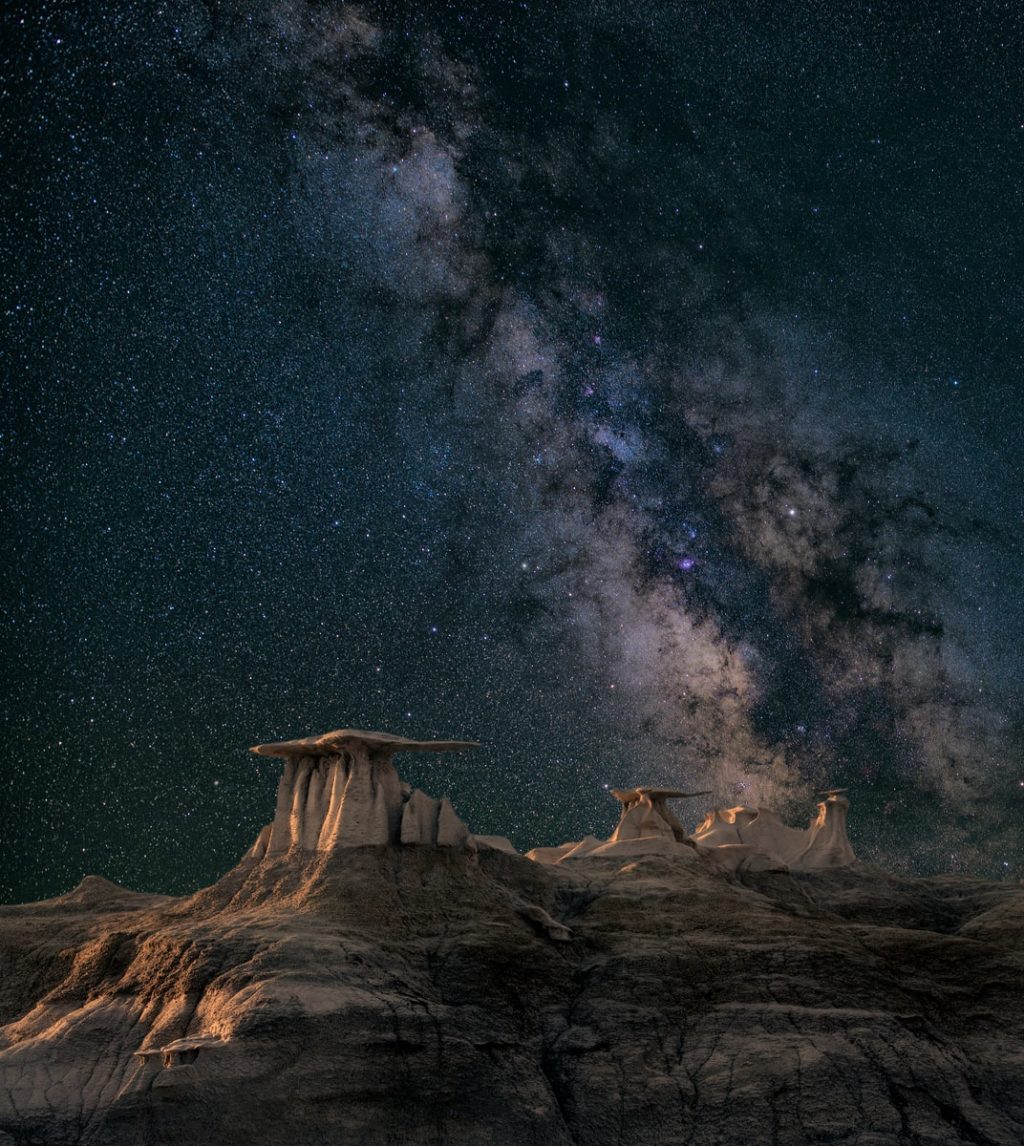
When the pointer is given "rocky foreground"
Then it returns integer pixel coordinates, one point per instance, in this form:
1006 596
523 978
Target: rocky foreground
424 995
435 990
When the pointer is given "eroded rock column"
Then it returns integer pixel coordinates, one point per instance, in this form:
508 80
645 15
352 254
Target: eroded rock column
645 813
829 844
341 790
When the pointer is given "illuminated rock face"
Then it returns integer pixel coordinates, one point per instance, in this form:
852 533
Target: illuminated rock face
341 790
646 813
648 990
646 826
827 844
824 844
731 839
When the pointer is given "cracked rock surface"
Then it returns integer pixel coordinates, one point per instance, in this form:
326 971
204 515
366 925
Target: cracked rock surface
395 994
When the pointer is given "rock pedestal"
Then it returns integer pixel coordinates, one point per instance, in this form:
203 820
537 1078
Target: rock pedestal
646 825
732 839
341 790
645 813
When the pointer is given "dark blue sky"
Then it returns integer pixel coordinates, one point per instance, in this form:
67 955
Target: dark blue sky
638 393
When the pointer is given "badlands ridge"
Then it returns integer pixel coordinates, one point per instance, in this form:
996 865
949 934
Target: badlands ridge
372 972
341 790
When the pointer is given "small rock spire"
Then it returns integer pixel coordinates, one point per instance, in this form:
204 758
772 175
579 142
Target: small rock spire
828 844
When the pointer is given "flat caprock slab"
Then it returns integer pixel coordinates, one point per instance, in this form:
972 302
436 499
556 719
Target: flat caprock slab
631 795
331 743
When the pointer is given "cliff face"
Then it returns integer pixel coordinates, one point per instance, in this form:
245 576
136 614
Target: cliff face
397 994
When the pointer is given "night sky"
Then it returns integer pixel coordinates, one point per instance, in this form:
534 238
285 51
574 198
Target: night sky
634 388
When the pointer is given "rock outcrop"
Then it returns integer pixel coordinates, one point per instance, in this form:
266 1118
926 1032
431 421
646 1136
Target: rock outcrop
437 995
341 790
737 834
646 992
731 839
646 813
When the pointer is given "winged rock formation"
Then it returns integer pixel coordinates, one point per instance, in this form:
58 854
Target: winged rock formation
341 790
648 992
733 839
645 813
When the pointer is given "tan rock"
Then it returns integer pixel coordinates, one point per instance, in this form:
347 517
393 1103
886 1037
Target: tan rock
824 844
640 994
646 813
432 822
828 845
550 855
341 790
646 822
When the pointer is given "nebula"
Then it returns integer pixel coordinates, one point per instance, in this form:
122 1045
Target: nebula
720 512
633 391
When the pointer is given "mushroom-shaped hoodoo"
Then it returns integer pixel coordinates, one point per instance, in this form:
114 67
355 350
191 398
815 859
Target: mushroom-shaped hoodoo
341 790
645 813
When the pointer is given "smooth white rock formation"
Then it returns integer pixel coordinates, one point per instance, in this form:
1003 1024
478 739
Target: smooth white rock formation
259 846
733 839
182 1052
585 847
431 822
829 845
341 790
645 825
574 849
644 846
550 855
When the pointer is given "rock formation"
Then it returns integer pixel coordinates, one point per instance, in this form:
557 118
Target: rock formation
645 813
646 826
647 992
732 839
736 834
341 790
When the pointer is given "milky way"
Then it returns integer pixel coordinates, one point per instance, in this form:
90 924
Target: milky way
638 393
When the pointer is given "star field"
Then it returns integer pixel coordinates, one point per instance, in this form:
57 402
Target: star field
637 391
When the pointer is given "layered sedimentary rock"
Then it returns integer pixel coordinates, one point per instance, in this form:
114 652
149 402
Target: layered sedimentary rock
341 790
652 991
430 996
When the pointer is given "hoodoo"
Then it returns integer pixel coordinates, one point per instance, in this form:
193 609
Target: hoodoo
645 813
732 838
641 990
646 824
341 790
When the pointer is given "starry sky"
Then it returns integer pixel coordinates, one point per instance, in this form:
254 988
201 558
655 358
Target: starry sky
634 388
